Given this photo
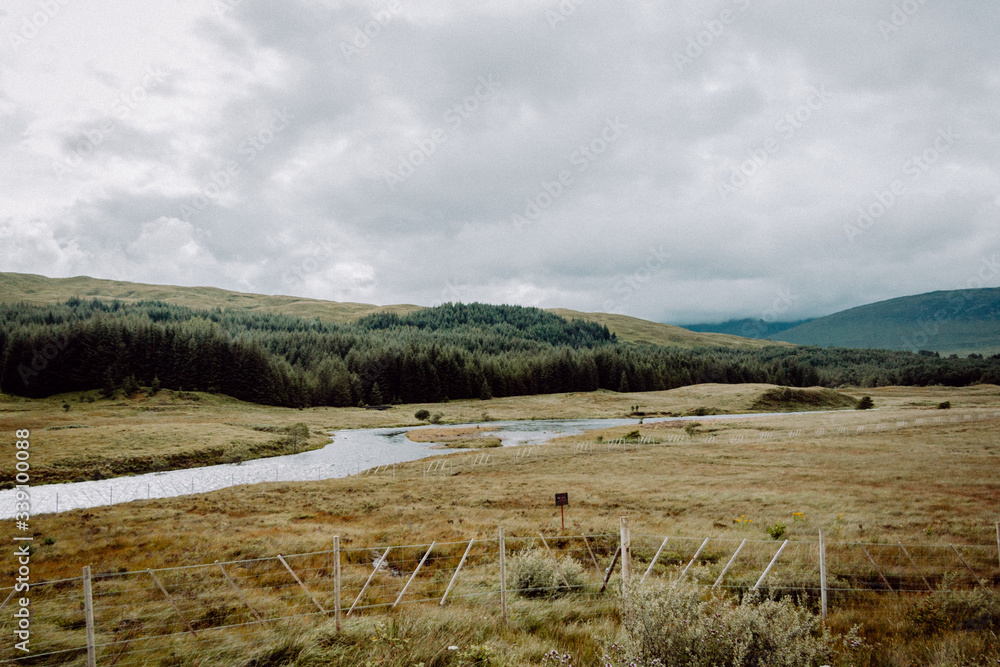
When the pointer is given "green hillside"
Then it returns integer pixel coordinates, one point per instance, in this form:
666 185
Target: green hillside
948 322
35 289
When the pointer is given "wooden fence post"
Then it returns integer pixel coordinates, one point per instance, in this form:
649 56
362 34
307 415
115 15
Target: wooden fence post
611 568
592 556
171 601
971 571
770 565
653 562
378 564
822 573
915 567
691 562
88 609
626 555
414 575
503 578
239 592
732 559
457 570
336 580
998 541
882 576
299 582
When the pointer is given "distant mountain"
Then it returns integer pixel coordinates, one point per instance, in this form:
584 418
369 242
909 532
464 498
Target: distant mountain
947 322
748 328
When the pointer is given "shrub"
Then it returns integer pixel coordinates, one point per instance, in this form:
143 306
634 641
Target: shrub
776 530
422 415
436 417
977 611
534 573
866 403
944 405
675 627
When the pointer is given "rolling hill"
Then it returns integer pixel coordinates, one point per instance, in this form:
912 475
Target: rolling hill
948 322
36 289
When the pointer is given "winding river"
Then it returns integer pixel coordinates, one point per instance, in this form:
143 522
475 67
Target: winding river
350 452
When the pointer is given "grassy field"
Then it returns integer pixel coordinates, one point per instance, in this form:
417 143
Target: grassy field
929 483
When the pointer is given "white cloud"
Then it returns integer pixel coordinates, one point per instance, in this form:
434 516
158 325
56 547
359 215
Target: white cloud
309 210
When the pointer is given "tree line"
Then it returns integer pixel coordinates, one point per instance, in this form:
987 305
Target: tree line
454 351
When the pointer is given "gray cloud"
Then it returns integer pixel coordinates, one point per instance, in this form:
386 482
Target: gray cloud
425 152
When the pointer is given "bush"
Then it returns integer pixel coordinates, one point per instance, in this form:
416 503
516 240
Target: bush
675 627
976 611
534 573
866 403
436 417
776 530
944 405
422 415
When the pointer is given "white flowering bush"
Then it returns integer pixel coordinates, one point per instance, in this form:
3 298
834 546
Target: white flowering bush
534 573
677 628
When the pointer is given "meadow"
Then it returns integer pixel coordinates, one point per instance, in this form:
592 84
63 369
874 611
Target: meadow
931 481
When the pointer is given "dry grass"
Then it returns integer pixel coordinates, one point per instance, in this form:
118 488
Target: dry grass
928 483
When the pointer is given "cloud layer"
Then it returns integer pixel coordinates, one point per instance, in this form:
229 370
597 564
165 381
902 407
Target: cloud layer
679 162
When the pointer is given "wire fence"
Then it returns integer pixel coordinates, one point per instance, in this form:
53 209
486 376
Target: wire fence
83 495
128 615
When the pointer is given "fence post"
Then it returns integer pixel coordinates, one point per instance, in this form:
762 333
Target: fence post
998 541
173 604
653 562
88 609
732 559
239 592
503 578
457 570
336 580
556 561
378 563
691 562
822 573
414 575
770 565
299 582
626 556
915 567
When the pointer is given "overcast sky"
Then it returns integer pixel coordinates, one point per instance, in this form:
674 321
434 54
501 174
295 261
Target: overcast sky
682 161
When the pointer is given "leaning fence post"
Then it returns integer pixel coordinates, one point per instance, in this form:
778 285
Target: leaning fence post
414 575
691 562
998 541
881 576
974 575
457 570
336 581
239 592
503 578
770 565
88 609
299 582
626 555
653 562
592 557
171 601
915 567
822 573
732 559
378 564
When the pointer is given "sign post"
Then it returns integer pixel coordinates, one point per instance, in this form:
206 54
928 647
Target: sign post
562 499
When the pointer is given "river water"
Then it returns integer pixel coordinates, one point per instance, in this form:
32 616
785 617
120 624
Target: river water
350 452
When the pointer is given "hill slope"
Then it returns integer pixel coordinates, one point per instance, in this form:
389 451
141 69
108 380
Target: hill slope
35 289
745 327
948 322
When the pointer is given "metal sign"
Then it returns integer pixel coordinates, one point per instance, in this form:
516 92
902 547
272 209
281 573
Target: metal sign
562 499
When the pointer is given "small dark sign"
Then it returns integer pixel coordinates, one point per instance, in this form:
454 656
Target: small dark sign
562 499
